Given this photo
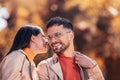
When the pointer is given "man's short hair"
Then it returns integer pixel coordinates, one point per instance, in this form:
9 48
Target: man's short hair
59 21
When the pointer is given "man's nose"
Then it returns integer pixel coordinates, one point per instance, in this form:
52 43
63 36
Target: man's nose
53 40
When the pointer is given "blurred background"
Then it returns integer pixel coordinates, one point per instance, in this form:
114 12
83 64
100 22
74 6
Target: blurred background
96 22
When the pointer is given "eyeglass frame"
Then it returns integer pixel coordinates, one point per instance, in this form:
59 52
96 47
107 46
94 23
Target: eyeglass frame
57 35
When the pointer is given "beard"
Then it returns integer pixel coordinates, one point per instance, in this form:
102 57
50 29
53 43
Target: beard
59 47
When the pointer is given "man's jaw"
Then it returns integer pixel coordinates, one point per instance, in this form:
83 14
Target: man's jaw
56 45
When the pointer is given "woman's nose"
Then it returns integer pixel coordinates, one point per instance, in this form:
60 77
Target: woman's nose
46 41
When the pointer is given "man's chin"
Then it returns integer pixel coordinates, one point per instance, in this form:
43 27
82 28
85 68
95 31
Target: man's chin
57 52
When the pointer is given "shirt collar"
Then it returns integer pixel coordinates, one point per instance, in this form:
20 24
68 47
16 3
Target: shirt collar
29 53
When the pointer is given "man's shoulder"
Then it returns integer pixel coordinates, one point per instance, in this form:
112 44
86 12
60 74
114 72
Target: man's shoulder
49 61
46 61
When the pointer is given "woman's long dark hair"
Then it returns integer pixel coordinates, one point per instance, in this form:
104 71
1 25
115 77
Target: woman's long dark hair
23 36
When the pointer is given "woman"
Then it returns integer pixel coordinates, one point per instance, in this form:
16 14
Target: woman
18 64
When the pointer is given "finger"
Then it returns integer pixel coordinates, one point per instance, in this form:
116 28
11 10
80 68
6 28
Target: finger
76 59
76 52
77 62
79 56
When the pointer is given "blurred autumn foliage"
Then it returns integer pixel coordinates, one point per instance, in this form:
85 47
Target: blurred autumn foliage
96 22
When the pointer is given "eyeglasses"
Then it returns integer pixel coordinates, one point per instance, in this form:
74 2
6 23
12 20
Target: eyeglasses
56 36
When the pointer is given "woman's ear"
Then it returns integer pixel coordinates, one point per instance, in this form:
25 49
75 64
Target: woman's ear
32 38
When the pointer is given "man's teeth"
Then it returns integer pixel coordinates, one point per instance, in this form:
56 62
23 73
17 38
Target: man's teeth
56 44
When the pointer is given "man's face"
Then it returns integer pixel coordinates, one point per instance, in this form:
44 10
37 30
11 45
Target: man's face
59 38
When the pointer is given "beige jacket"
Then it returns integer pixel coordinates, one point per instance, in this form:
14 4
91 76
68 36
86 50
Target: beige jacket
50 69
16 66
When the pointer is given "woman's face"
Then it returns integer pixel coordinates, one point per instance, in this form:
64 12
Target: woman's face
40 43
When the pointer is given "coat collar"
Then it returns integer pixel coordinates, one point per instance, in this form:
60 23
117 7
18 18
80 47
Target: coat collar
32 67
29 54
56 67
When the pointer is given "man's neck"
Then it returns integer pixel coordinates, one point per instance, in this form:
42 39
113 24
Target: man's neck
68 55
68 52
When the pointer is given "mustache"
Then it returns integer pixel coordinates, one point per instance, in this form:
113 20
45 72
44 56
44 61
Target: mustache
55 43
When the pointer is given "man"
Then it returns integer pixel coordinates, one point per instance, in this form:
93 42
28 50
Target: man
66 64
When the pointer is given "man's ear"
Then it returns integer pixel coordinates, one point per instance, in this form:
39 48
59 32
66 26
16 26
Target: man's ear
71 35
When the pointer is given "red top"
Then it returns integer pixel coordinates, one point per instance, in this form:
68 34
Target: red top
70 70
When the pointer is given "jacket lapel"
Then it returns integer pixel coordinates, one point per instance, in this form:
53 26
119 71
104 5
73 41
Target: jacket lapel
83 73
34 72
57 69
